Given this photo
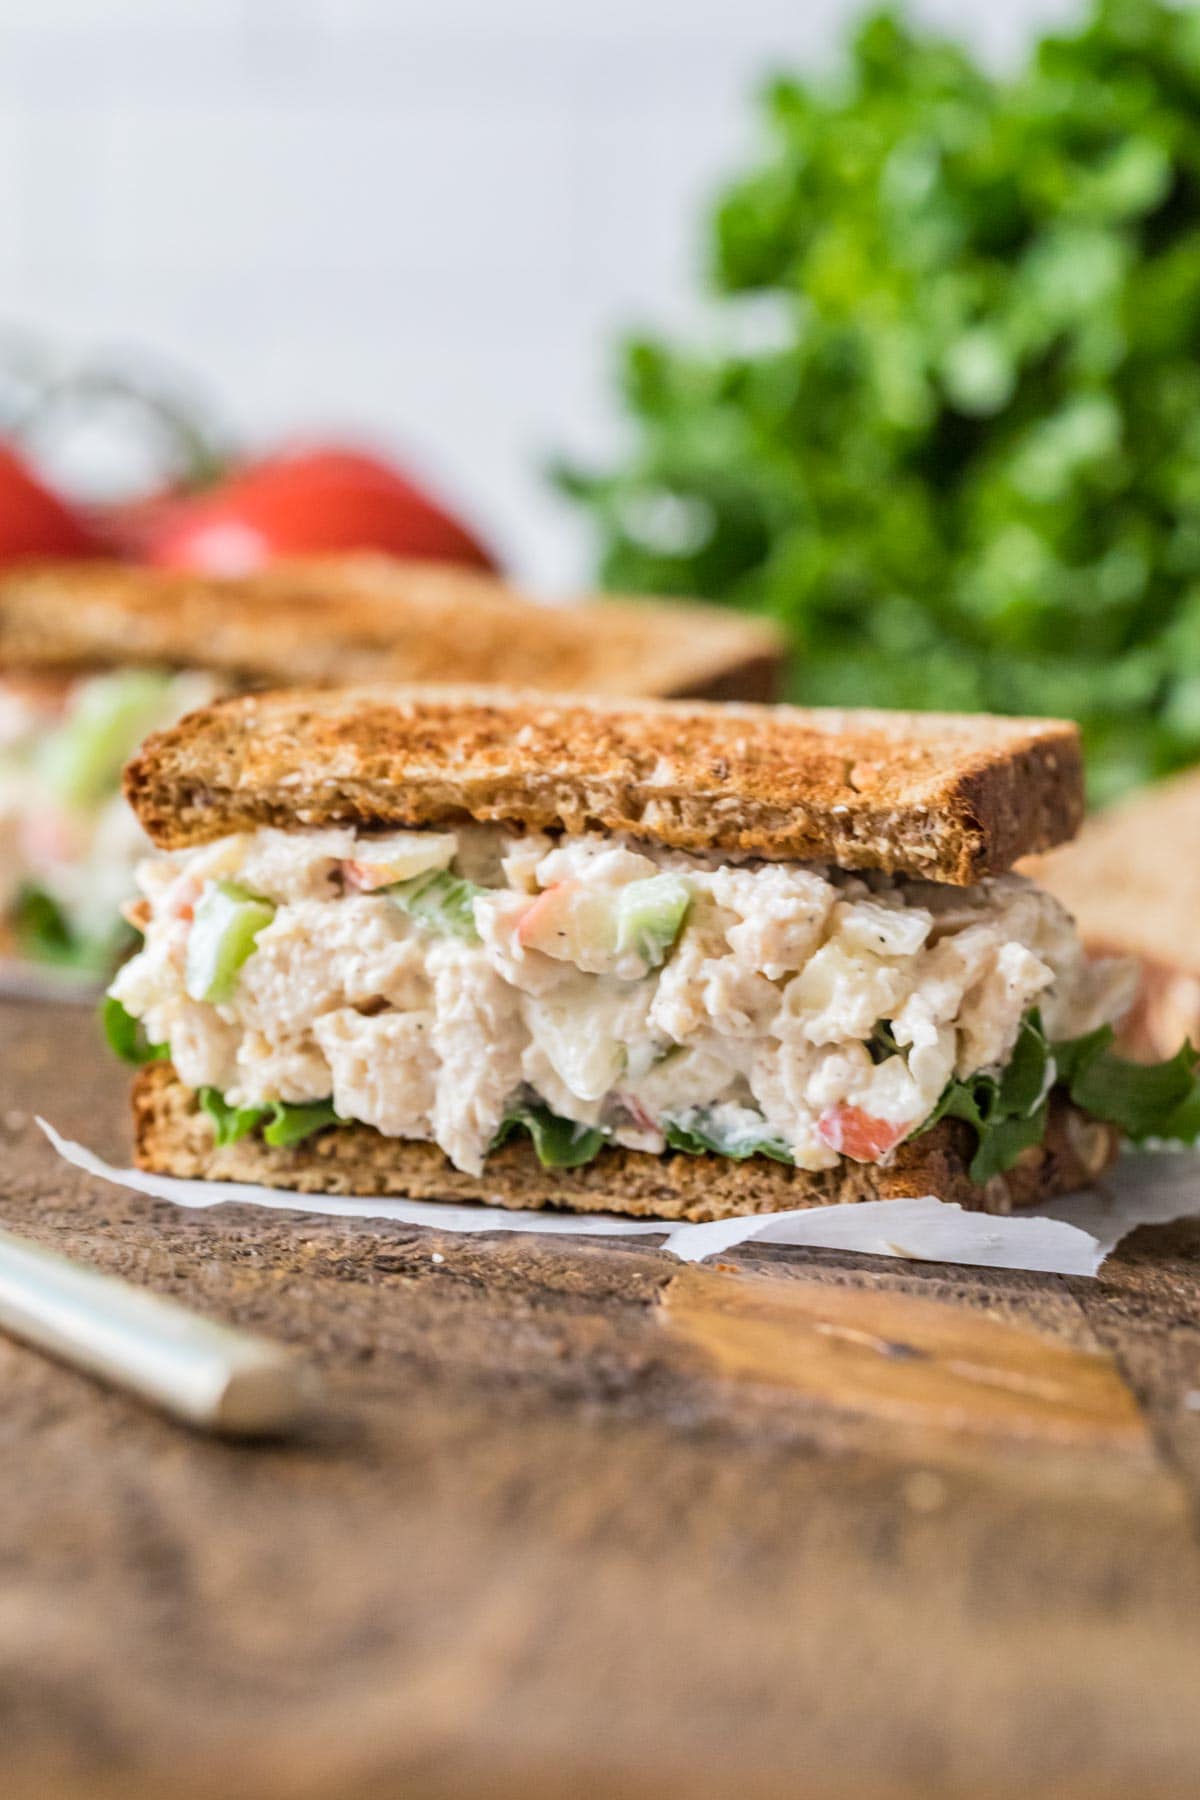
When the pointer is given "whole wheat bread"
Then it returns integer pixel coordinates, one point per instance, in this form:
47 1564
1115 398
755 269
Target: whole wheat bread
331 620
174 1136
1132 881
945 797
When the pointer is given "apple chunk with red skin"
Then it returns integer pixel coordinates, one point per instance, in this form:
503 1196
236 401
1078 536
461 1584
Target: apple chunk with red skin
601 929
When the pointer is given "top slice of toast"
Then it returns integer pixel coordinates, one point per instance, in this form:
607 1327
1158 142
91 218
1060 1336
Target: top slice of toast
946 797
342 620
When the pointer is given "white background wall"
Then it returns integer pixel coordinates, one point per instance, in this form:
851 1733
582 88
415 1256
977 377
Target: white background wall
426 221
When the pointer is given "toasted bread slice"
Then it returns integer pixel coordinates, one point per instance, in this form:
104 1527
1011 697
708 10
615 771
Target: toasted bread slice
323 621
948 798
173 1136
1133 883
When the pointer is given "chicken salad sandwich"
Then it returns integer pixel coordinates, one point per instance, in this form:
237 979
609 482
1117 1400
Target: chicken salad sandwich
93 656
665 959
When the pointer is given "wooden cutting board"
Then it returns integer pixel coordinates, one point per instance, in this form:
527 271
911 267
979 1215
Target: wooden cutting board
581 1521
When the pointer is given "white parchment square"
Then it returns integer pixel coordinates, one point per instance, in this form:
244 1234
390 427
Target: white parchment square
1065 1237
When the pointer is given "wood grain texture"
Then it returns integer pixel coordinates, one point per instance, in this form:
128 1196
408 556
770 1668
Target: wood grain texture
549 1541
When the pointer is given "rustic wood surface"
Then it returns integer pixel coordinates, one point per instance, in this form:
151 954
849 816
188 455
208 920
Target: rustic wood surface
578 1521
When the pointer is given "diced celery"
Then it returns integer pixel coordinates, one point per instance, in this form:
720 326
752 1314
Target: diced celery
81 760
226 926
650 916
441 902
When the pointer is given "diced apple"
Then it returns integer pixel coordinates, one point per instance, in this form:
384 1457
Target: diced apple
400 856
597 927
571 922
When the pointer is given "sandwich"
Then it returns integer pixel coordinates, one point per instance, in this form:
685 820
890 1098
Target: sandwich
93 656
663 959
1134 887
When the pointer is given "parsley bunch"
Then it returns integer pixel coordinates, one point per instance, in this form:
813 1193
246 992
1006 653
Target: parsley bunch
947 425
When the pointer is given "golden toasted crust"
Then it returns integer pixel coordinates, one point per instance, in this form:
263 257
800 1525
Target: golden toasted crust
948 798
174 1137
332 620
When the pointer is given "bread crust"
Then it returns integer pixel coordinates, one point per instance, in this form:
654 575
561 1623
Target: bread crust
174 1136
351 619
945 797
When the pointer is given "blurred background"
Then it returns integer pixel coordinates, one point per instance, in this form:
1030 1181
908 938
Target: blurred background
887 324
427 221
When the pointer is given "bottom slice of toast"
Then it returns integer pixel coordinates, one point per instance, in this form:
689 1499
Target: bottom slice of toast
174 1136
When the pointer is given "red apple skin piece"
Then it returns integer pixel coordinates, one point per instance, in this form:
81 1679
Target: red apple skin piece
553 903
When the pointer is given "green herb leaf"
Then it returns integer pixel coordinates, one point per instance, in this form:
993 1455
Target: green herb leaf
127 1035
559 1143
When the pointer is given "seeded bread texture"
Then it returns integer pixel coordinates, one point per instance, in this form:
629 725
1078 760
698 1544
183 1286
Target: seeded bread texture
174 1136
324 621
941 796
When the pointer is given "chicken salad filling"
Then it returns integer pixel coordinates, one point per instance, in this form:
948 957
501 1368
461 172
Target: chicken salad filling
69 843
458 986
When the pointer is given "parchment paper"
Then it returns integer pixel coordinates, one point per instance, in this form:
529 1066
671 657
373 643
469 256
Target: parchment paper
1066 1237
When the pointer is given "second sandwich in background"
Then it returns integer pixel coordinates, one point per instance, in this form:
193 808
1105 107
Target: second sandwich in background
93 656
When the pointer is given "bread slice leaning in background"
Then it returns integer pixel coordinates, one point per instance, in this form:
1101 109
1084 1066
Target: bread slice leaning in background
345 619
665 959
1132 881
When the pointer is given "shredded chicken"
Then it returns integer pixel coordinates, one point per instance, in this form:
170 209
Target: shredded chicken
569 980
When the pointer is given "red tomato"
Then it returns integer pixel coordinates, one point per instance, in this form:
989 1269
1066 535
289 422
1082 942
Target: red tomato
854 1133
33 520
308 503
128 528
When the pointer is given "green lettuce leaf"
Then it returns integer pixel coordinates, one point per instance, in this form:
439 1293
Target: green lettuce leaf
282 1122
127 1035
230 1123
559 1143
1146 1100
292 1123
1009 1111
697 1133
